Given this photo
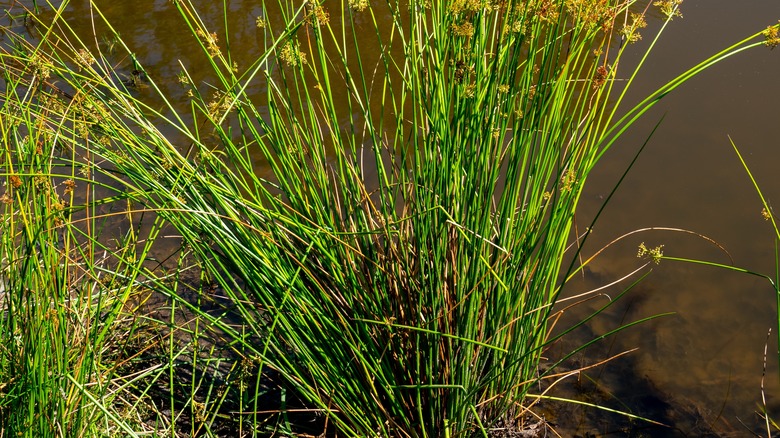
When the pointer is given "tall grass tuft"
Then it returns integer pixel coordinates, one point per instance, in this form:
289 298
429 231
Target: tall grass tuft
69 279
388 233
62 293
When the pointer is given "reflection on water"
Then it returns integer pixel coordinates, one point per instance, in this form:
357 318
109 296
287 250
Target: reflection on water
698 370
705 362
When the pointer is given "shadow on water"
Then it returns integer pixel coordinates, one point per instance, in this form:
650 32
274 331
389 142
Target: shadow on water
699 370
619 387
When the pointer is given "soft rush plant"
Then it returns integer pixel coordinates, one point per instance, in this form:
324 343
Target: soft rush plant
398 267
62 293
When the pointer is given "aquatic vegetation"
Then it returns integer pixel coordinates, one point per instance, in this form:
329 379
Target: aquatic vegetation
393 259
64 296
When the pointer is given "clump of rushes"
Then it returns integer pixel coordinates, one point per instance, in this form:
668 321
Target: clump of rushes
61 323
398 270
67 289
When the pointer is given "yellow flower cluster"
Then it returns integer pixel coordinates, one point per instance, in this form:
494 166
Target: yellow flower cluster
358 5
318 16
210 39
458 6
654 253
568 180
40 66
670 8
630 31
219 104
291 54
465 29
84 59
772 36
547 11
592 13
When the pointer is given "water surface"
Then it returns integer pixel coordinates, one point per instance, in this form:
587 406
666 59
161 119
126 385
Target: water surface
705 361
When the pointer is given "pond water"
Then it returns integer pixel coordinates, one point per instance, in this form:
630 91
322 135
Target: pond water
706 360
700 369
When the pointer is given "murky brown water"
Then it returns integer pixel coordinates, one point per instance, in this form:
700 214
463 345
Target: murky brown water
706 360
699 370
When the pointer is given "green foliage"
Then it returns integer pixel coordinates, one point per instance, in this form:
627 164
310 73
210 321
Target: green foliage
60 331
398 267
